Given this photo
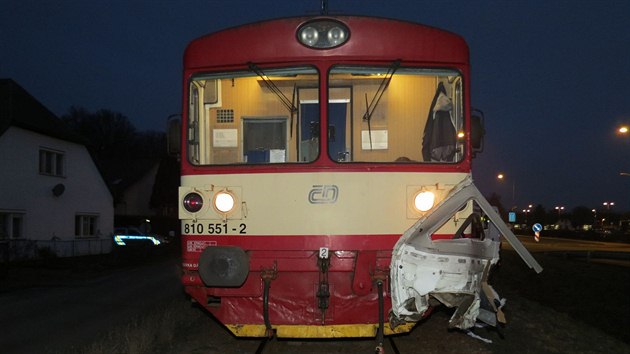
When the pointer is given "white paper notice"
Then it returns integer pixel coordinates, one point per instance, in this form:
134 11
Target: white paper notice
224 138
379 140
276 155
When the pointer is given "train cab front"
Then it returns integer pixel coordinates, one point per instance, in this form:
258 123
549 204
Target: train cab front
303 255
308 151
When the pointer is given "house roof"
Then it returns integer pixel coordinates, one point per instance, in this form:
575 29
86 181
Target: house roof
18 108
120 174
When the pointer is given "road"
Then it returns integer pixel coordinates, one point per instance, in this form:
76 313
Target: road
551 244
56 318
593 251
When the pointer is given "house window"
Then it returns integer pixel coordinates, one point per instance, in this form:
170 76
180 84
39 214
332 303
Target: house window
11 225
85 225
51 162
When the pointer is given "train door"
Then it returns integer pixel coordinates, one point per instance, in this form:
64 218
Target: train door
337 113
309 128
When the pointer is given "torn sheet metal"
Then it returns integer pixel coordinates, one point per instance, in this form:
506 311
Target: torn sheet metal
452 271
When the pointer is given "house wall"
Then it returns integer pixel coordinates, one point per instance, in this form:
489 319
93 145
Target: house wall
24 189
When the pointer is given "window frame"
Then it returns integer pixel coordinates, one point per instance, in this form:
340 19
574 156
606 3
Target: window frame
8 230
52 162
92 226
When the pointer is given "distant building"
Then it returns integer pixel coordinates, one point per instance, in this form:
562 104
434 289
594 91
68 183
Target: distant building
132 186
52 196
145 193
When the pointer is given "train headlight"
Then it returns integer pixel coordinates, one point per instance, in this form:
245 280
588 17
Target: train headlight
193 202
224 202
336 36
323 34
309 36
424 201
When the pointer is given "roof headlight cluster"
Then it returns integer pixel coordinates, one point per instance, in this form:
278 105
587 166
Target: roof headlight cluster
323 34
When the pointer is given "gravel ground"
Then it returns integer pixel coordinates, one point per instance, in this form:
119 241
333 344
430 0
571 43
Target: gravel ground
572 307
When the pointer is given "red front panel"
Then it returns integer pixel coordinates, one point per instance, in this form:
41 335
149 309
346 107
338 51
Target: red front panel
355 261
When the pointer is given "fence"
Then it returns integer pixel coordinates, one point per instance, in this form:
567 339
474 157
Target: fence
13 250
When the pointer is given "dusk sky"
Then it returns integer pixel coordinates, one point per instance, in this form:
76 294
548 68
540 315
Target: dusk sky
552 77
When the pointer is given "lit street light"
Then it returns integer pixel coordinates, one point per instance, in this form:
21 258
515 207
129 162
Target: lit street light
608 205
527 211
501 177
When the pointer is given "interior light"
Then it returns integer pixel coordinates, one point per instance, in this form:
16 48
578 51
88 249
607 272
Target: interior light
224 202
424 201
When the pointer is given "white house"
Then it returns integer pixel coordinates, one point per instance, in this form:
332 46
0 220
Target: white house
52 196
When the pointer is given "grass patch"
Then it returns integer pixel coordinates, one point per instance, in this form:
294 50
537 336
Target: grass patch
148 333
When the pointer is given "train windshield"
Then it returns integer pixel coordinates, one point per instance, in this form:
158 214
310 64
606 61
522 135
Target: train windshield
386 114
393 114
256 116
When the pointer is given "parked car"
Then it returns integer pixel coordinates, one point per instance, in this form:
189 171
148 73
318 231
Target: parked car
132 236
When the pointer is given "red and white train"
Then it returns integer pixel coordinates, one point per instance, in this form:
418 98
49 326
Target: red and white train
326 179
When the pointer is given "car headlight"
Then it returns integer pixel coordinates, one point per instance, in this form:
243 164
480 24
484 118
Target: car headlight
424 201
224 202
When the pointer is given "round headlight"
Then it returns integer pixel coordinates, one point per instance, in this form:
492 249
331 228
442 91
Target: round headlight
424 201
193 202
336 35
224 202
323 34
309 36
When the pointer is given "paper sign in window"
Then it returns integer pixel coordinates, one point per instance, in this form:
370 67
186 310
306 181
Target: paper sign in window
378 137
224 138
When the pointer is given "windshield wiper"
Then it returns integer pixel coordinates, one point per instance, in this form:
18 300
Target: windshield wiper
289 104
371 107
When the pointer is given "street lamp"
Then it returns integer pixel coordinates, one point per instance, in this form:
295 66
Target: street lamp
501 177
526 211
608 205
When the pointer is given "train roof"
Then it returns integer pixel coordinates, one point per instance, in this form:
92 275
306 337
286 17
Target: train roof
371 39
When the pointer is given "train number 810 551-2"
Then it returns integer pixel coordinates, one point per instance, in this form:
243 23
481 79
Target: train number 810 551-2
214 229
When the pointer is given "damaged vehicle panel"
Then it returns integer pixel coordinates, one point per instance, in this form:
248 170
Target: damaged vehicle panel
453 272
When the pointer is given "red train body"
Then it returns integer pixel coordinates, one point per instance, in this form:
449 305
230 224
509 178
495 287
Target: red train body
291 208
